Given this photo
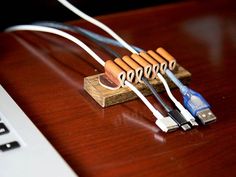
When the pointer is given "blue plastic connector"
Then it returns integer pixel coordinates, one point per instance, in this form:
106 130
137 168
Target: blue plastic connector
194 101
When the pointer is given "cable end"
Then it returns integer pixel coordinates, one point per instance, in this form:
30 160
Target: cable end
179 119
193 122
188 116
166 124
185 127
206 116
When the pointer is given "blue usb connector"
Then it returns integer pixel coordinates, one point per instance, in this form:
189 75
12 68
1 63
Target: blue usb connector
194 101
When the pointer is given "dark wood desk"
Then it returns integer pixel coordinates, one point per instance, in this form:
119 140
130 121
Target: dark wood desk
44 74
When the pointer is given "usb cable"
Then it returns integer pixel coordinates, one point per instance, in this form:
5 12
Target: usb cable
173 113
166 124
186 114
194 101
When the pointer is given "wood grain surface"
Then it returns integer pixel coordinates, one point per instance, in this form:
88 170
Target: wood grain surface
44 74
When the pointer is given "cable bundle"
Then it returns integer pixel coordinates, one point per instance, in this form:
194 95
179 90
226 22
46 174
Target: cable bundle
140 66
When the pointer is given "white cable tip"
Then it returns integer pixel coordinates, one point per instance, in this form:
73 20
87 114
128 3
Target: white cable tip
188 116
166 124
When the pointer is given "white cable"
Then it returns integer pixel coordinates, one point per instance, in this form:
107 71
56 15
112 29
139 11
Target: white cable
156 113
87 49
187 115
60 33
100 25
166 124
176 102
97 23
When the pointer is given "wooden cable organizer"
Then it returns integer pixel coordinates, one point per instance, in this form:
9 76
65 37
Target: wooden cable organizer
109 88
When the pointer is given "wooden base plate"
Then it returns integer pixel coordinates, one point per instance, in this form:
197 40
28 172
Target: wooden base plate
106 97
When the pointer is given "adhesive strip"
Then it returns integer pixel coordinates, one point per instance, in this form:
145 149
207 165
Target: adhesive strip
171 60
163 63
115 73
147 67
129 71
137 68
154 63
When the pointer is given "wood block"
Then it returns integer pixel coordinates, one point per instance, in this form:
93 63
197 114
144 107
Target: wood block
106 97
